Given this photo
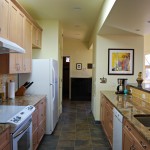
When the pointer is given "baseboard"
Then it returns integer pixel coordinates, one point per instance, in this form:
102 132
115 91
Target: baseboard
97 122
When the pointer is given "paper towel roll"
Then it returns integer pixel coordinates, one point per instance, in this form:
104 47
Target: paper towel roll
11 90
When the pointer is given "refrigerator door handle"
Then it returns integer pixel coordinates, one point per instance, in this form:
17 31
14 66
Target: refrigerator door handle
53 76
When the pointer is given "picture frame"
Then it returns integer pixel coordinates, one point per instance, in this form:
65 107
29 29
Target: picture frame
120 61
78 66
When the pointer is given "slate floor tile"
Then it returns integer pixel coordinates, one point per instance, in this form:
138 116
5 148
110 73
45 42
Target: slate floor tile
76 130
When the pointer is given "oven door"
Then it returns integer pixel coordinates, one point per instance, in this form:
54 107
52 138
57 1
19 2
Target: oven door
22 138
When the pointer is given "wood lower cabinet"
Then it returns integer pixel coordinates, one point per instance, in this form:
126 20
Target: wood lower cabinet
38 123
5 140
107 117
132 140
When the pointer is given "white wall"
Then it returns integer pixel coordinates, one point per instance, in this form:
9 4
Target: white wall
79 53
101 46
50 40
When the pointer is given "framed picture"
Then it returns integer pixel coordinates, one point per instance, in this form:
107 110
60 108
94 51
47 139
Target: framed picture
78 66
120 61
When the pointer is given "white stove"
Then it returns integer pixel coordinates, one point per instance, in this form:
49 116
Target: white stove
15 115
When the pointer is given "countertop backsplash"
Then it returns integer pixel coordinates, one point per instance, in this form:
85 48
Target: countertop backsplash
5 78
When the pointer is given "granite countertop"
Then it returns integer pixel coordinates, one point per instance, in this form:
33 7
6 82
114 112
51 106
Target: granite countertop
144 87
20 101
128 106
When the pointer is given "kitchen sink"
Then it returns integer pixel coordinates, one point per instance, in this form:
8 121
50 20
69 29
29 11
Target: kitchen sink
144 119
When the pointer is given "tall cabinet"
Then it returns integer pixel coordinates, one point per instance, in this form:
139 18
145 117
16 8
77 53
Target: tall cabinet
4 9
28 46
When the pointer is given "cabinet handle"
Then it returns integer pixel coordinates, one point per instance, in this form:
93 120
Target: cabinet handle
143 145
128 128
132 147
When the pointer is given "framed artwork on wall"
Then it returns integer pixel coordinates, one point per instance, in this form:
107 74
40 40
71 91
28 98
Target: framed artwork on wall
78 66
120 61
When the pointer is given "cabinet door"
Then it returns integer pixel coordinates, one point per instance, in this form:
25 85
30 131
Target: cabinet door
35 141
4 139
42 110
13 23
35 119
4 18
36 37
39 38
41 130
20 28
128 143
13 66
28 46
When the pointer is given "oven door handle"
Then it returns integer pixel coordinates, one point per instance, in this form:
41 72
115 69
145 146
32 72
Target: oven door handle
23 129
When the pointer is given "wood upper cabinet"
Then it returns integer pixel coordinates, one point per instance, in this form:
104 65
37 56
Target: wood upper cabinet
16 26
36 37
13 23
4 18
132 139
107 117
27 57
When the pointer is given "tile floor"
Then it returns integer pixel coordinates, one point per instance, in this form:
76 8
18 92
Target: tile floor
76 130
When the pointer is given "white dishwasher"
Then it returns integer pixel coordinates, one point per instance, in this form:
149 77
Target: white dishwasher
117 130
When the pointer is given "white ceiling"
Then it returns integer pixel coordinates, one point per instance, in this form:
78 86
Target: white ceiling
128 17
77 23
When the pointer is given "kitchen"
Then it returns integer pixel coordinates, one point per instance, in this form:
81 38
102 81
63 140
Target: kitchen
100 47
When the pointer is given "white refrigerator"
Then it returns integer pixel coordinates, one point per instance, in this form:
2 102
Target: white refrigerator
45 77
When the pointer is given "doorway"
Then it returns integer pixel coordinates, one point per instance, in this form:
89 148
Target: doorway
66 74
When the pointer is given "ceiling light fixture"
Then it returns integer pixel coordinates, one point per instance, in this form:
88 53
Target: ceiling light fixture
77 34
148 21
137 30
77 8
77 26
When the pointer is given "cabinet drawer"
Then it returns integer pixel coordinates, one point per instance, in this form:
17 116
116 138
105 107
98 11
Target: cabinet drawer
4 138
139 140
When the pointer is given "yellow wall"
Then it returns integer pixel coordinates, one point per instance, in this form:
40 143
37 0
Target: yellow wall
79 53
50 40
147 44
102 44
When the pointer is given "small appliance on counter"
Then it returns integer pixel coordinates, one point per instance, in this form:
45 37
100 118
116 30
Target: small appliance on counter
122 83
23 88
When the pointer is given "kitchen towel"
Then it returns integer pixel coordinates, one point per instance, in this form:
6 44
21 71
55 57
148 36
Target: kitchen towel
11 89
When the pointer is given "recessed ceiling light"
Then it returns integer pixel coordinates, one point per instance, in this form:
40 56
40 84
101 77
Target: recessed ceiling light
148 21
77 25
77 34
77 8
137 30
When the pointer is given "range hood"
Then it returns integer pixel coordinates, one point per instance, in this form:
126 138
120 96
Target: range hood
7 46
